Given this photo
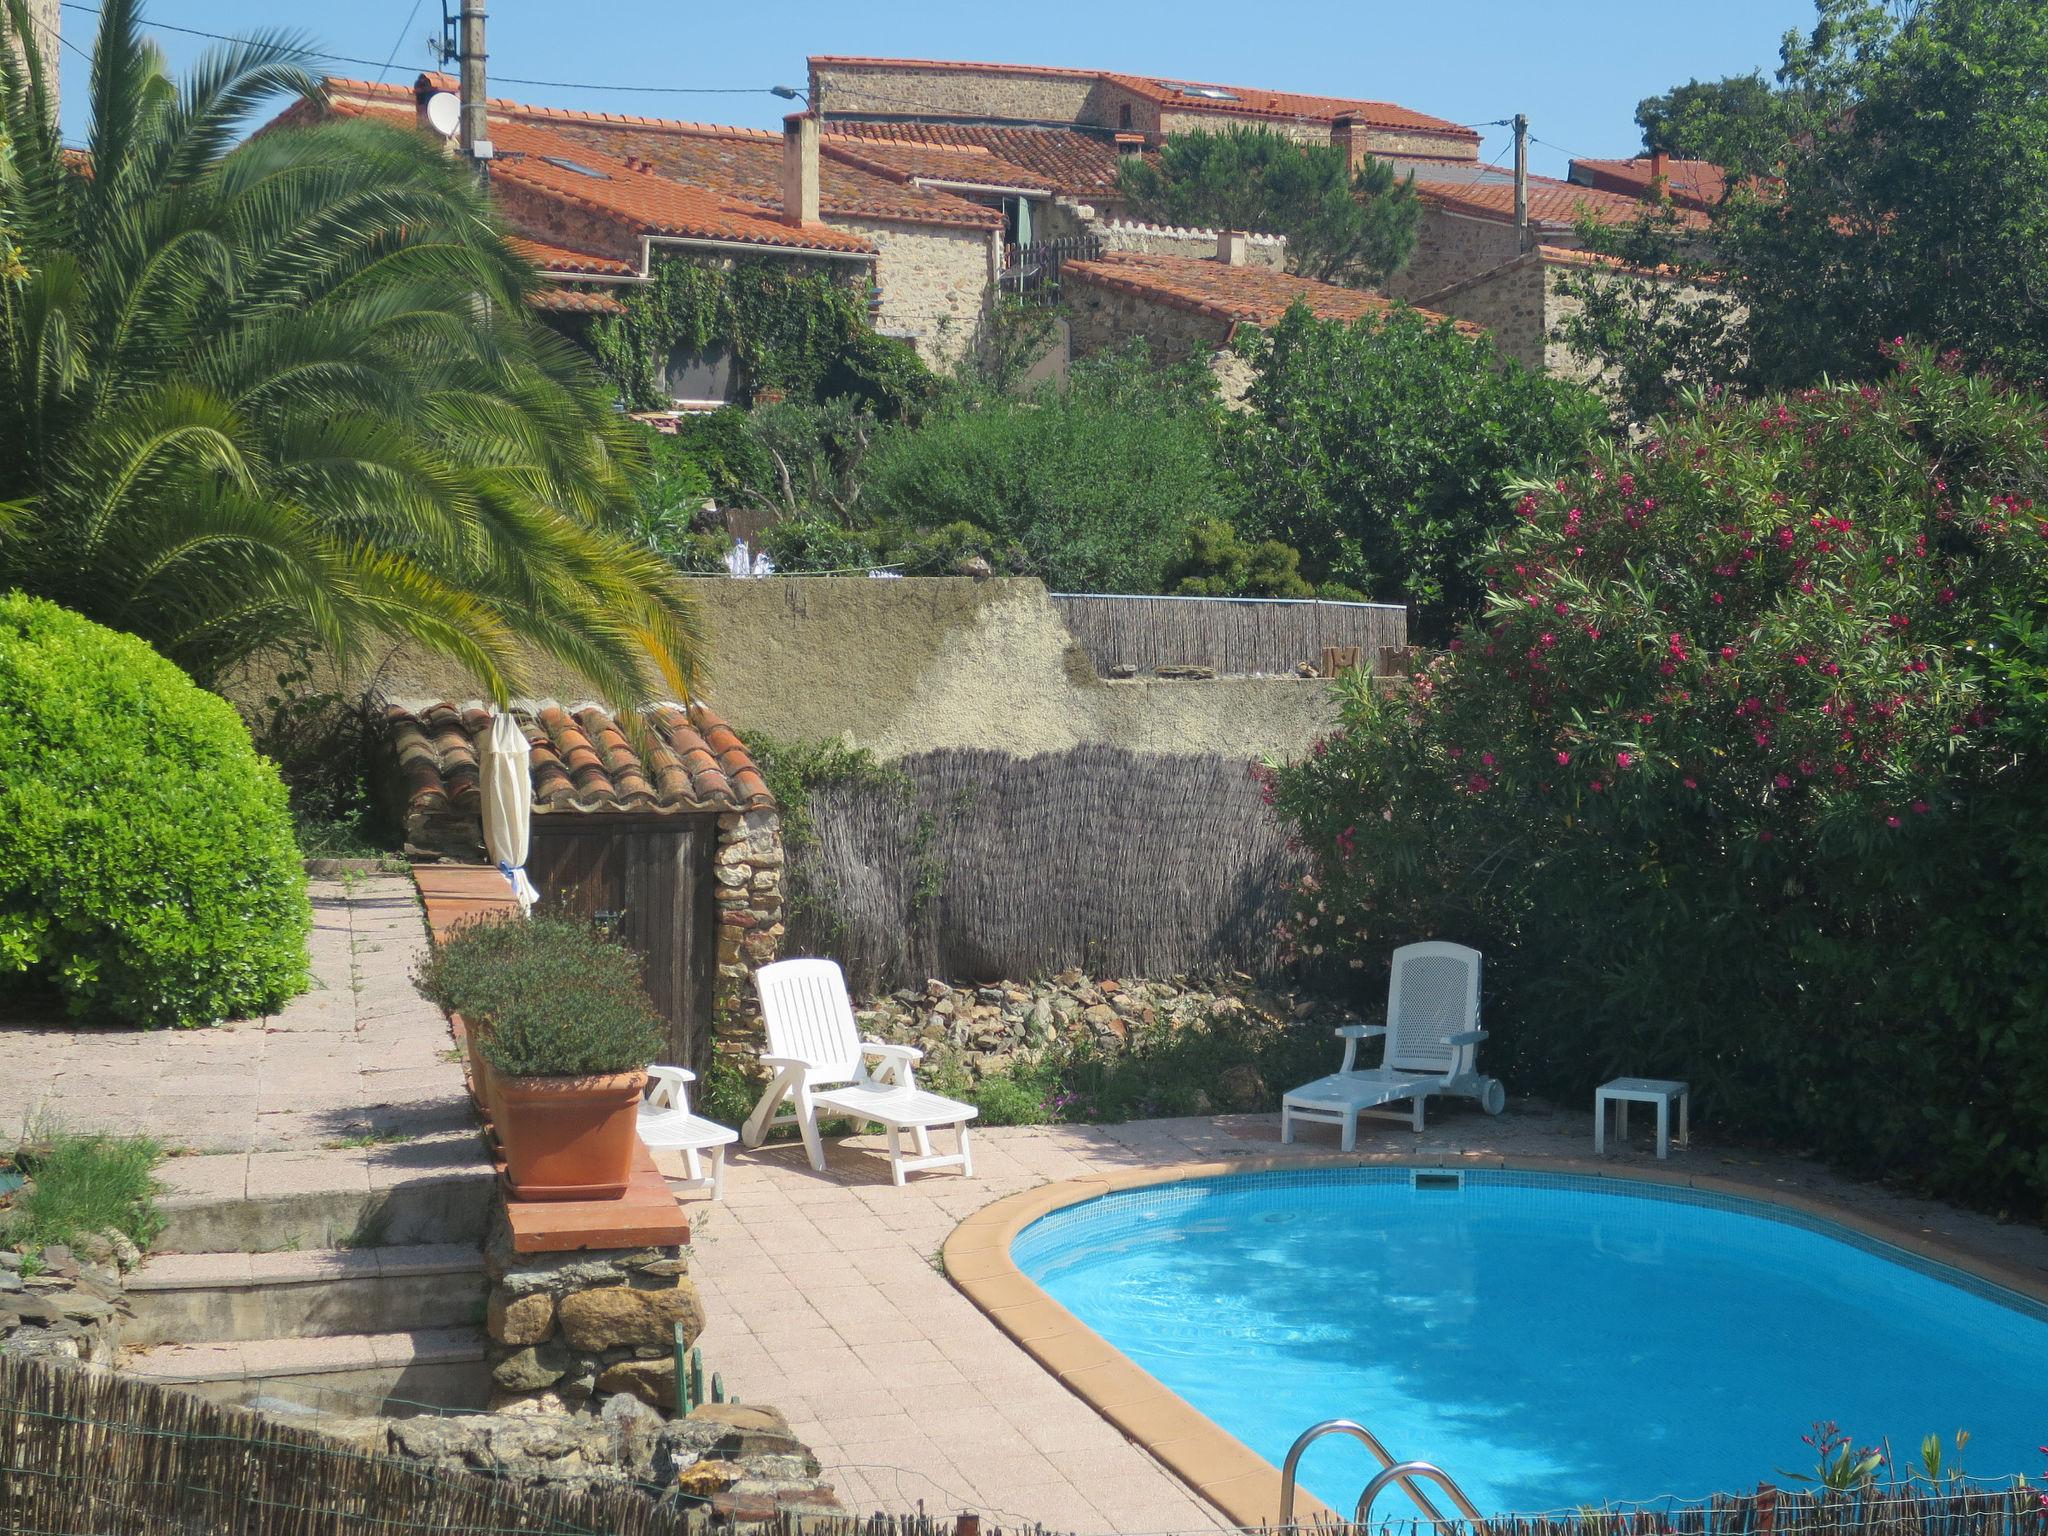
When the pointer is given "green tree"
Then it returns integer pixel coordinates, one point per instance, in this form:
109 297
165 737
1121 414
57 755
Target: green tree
1660 321
1740 123
1739 778
1915 202
287 390
1381 450
1340 227
1095 486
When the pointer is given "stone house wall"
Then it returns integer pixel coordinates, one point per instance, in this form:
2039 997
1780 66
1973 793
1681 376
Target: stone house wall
1106 320
747 883
556 222
1261 250
1450 248
1512 301
935 283
1004 95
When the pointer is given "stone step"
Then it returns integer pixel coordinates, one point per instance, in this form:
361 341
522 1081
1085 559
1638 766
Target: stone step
199 1298
433 1190
393 1374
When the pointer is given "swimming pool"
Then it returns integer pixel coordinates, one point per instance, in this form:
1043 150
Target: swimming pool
1550 1340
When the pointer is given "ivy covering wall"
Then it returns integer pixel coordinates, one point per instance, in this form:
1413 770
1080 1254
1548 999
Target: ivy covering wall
800 329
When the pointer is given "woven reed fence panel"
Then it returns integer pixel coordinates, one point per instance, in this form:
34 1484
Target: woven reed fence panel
1238 636
987 866
91 1453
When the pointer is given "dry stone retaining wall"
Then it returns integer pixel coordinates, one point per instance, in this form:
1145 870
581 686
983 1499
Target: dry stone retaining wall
70 1307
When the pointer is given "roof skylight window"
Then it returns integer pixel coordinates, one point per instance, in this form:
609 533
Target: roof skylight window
577 166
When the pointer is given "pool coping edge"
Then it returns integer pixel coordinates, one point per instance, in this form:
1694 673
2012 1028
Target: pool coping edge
1218 1467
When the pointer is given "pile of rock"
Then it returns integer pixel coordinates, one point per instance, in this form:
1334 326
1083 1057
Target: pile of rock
983 1028
66 1302
739 1462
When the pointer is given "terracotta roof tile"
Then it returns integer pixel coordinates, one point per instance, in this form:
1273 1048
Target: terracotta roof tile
584 760
559 300
968 164
1064 159
1246 101
1692 183
1244 295
746 166
556 258
640 197
1557 204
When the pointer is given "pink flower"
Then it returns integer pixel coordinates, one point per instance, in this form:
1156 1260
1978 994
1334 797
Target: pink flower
1564 759
1457 645
1798 661
1595 786
1891 821
1692 783
1624 760
1920 807
1783 781
1479 783
1456 752
1486 758
1766 836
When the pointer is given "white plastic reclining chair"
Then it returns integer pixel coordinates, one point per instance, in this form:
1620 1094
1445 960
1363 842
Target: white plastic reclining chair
821 1066
1432 1033
666 1124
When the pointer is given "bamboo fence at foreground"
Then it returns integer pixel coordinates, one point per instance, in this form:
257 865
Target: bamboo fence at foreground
94 1453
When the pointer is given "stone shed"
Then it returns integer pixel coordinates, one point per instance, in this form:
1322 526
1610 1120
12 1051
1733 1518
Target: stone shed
659 826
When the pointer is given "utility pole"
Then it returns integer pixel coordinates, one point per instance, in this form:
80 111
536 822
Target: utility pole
1521 126
476 121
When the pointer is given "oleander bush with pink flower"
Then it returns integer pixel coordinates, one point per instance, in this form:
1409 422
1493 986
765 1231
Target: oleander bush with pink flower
1739 779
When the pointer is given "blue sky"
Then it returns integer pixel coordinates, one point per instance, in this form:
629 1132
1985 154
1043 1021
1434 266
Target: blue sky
1577 67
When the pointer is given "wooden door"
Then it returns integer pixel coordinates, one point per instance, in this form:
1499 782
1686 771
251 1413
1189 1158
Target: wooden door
648 879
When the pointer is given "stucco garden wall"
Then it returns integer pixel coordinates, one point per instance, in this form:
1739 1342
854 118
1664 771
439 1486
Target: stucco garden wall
935 283
912 665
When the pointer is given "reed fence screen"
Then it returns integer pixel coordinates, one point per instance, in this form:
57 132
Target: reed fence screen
93 1453
1238 636
981 865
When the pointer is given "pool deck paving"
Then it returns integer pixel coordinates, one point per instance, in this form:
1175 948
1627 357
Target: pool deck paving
823 1296
349 1088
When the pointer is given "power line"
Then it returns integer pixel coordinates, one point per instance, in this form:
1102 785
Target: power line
344 58
402 31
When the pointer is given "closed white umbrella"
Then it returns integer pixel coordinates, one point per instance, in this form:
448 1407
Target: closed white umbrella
507 783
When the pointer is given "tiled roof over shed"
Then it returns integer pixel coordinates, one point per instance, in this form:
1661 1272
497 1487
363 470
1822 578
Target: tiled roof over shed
1245 295
584 759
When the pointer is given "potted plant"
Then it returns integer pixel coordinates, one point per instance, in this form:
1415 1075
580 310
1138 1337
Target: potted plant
563 1030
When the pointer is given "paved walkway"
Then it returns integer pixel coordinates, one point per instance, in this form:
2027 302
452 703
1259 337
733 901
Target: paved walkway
351 1085
823 1298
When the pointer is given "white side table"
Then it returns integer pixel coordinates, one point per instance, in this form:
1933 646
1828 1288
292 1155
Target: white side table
1624 1091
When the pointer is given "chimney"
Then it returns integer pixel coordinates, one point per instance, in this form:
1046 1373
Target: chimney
800 168
1348 141
1233 247
1660 171
1130 144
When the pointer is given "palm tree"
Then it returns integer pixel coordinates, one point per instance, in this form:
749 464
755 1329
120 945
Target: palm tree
287 390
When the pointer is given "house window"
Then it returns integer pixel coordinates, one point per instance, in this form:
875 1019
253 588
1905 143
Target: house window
1123 116
698 378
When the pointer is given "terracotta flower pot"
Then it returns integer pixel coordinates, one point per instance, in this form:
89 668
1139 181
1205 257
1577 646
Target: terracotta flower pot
569 1138
483 1081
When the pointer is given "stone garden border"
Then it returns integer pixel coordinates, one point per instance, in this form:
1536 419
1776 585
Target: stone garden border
1241 1484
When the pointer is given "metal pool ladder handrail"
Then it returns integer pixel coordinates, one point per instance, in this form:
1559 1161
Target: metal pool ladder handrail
1402 1472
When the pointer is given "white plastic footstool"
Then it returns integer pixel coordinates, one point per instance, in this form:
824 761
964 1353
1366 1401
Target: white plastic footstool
1662 1092
666 1125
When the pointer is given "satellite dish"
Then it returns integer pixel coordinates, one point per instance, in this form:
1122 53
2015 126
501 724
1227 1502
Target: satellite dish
444 112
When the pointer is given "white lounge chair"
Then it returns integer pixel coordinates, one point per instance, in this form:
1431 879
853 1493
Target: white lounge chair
821 1066
1432 1033
666 1125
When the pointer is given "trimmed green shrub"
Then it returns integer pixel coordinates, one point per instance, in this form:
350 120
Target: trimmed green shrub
554 996
1740 779
147 869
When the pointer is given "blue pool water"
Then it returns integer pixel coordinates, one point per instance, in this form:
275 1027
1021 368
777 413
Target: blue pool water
1549 1341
